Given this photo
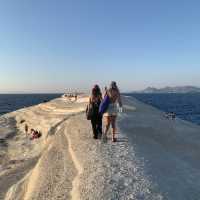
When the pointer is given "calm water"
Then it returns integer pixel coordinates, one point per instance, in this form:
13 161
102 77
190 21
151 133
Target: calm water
12 102
186 106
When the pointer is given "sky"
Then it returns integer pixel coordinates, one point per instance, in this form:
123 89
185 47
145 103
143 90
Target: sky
57 45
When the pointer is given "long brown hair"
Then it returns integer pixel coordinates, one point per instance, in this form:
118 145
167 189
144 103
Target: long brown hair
114 92
96 92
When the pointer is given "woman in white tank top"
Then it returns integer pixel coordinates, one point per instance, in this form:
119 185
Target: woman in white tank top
111 113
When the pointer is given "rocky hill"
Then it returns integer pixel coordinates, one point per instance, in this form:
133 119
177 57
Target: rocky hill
179 89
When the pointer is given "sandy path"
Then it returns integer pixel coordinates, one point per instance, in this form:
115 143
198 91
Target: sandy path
72 165
75 166
108 171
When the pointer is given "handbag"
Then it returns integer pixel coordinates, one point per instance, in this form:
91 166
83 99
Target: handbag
89 111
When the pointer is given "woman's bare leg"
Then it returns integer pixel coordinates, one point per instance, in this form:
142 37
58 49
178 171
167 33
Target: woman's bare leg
113 122
108 120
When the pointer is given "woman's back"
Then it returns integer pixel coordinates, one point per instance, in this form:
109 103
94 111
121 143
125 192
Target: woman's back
114 96
95 101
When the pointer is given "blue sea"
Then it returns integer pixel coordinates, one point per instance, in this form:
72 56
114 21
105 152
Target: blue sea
12 102
186 106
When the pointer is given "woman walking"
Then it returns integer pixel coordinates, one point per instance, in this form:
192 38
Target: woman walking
111 113
96 118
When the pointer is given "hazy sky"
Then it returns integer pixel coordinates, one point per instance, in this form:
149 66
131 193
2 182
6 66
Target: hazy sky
49 46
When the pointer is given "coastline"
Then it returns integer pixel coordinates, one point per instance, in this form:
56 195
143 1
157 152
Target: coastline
66 163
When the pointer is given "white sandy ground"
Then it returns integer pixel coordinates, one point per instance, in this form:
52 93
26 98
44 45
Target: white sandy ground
66 163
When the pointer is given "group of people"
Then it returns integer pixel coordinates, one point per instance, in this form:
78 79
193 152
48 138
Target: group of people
170 115
71 96
110 113
34 134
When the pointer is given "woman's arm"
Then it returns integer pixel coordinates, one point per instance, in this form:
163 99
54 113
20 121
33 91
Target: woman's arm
119 100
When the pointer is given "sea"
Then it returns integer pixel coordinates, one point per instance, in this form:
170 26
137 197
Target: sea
186 106
12 102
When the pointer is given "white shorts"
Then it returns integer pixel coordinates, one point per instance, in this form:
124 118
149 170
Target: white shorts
112 110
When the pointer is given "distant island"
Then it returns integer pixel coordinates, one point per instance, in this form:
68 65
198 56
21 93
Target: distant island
179 89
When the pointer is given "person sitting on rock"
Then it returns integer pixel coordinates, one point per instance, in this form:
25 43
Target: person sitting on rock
35 134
